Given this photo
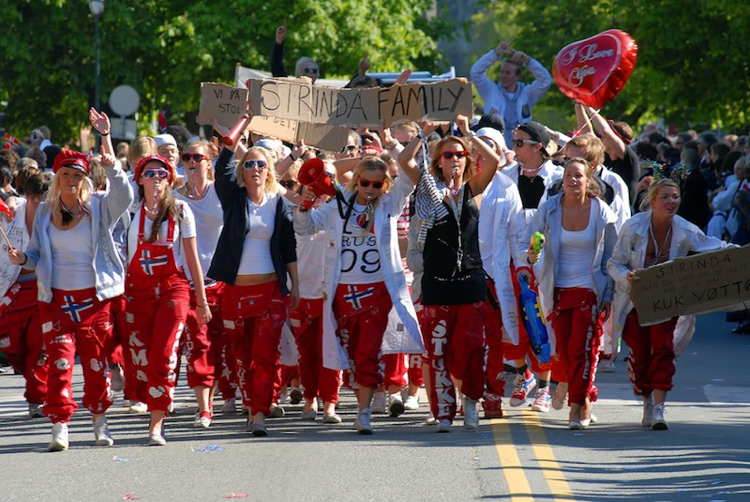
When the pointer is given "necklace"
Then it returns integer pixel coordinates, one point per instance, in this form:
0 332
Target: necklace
658 250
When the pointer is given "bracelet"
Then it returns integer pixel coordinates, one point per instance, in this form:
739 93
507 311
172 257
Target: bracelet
25 259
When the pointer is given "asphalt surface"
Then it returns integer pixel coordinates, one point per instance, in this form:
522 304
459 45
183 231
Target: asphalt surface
705 456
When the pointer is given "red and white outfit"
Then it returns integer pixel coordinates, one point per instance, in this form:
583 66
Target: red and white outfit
207 349
306 320
158 302
20 329
254 315
652 352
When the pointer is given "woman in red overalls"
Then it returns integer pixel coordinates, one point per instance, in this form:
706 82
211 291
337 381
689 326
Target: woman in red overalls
161 241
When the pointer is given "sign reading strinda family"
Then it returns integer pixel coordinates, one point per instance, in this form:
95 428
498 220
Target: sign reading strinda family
697 284
378 106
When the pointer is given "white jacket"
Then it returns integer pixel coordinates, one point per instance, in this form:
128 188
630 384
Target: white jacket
499 221
493 96
407 340
548 220
630 254
19 236
621 203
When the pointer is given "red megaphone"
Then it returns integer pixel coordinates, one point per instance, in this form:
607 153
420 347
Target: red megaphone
313 175
233 136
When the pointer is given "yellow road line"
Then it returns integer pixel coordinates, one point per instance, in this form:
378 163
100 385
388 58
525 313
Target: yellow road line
545 457
510 463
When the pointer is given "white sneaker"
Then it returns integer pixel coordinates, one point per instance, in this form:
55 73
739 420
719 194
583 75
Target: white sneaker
156 439
363 423
35 410
59 440
411 403
202 420
521 390
577 425
659 423
471 414
396 406
444 425
648 412
284 396
102 436
378 402
116 379
229 407
561 393
542 400
331 419
430 421
137 407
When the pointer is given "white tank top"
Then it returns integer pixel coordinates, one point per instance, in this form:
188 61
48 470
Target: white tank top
577 250
72 256
256 250
360 258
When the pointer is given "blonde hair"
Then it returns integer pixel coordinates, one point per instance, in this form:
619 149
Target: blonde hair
370 163
54 200
141 147
592 147
592 187
271 186
653 191
437 152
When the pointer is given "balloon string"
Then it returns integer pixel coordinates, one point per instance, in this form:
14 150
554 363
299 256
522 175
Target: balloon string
587 124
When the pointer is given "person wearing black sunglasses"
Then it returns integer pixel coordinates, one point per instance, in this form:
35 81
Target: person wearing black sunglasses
305 66
206 341
255 256
367 284
453 283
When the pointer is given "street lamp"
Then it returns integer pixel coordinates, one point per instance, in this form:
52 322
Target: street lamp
97 7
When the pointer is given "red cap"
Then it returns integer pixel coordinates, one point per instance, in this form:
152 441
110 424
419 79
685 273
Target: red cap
72 159
157 158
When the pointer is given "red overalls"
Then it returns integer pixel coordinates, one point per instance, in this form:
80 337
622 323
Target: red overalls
494 362
158 302
117 348
21 336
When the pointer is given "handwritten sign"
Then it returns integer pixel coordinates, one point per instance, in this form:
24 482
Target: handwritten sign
379 106
321 136
697 284
221 103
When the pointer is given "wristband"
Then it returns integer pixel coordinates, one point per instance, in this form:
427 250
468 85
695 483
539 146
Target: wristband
25 259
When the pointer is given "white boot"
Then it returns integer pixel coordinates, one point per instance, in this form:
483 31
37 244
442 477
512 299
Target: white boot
102 436
59 437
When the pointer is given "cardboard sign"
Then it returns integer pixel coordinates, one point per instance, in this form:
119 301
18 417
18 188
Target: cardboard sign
221 103
373 107
321 136
697 284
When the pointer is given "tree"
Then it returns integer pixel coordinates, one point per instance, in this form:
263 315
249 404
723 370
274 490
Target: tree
165 48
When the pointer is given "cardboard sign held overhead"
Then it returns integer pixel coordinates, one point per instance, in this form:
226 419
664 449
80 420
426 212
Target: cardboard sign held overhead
221 103
321 136
298 100
697 284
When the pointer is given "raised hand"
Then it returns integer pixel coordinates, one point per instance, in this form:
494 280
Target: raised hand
280 34
99 121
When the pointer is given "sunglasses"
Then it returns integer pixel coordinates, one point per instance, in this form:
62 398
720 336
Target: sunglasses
350 148
311 71
255 164
155 173
288 184
518 143
449 155
195 157
377 185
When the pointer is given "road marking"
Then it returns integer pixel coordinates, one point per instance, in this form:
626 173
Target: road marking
510 463
545 457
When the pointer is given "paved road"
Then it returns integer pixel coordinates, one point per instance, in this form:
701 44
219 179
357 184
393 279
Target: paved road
704 457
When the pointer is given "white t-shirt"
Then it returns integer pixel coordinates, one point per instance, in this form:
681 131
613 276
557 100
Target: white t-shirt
256 249
184 229
73 256
311 264
360 258
209 220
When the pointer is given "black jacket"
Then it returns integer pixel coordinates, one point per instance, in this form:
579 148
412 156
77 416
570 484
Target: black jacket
233 198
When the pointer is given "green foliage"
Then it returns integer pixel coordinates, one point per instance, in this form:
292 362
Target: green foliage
692 60
165 48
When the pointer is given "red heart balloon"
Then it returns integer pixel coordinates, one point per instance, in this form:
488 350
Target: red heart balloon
595 70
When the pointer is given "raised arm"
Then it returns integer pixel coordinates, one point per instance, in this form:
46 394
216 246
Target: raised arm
613 144
480 180
100 122
542 80
488 89
407 158
120 196
277 54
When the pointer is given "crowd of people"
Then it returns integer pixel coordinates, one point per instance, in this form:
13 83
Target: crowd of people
453 257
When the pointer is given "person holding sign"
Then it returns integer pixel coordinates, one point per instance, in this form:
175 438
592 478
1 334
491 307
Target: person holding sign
509 98
647 239
255 255
161 246
453 283
576 292
78 270
367 280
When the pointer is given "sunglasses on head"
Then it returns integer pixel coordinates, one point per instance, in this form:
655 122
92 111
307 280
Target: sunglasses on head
155 173
518 143
449 155
195 157
255 164
377 185
311 71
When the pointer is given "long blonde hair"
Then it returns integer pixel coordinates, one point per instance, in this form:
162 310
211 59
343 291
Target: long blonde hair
271 186
54 200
